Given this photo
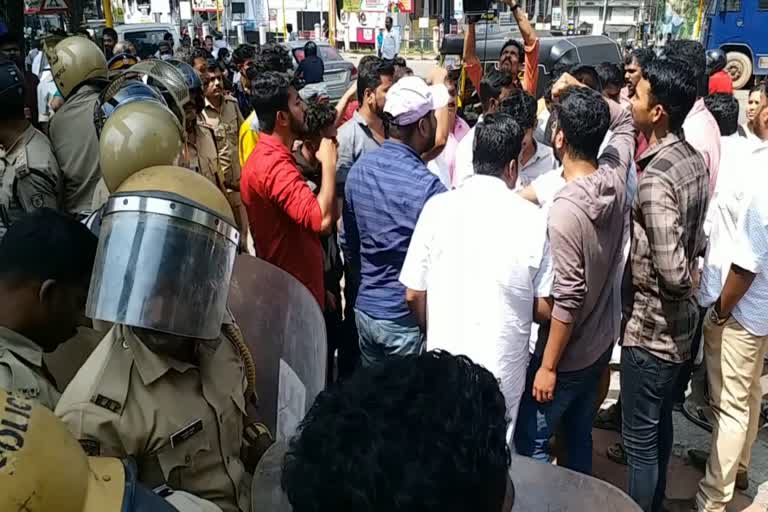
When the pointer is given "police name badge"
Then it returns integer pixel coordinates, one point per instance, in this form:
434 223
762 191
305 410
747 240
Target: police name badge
186 433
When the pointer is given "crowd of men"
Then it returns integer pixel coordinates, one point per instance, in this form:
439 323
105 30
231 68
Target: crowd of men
479 284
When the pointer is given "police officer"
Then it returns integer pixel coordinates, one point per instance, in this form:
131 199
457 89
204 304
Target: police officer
168 384
221 114
29 174
80 73
42 468
199 153
46 259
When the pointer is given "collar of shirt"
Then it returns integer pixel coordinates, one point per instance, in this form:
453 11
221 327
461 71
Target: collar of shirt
272 142
363 124
405 150
541 152
210 105
21 346
151 366
652 151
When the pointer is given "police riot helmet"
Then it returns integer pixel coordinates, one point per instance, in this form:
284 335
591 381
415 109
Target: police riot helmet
190 75
715 60
74 61
184 239
138 134
122 93
43 468
122 61
11 82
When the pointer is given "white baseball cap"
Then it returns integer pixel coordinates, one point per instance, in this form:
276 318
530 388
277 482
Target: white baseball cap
411 98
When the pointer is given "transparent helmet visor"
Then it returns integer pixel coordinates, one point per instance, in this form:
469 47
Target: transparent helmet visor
162 265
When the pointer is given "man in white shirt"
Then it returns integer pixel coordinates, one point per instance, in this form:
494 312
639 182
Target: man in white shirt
390 42
478 269
494 87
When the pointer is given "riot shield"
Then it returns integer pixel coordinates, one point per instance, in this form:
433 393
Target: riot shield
538 487
284 328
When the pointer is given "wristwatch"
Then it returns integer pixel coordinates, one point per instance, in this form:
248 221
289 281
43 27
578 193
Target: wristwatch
715 316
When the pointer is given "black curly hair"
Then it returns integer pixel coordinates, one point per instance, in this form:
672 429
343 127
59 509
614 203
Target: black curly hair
273 57
416 433
319 115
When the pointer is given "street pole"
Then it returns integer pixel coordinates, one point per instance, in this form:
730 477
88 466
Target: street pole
605 16
447 13
108 20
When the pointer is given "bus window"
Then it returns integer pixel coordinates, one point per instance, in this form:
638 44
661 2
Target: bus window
762 5
733 5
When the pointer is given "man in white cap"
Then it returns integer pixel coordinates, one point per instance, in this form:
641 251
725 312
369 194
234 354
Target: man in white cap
385 192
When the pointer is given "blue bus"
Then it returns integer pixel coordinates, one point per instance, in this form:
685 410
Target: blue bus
740 28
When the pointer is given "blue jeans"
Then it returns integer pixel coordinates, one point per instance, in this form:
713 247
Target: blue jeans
648 392
380 339
573 407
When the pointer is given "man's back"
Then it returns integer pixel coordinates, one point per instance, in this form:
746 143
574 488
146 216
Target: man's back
484 252
76 145
703 133
385 192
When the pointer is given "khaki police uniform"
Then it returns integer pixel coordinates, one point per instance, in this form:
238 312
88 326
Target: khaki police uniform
76 145
22 370
29 177
201 155
225 123
183 423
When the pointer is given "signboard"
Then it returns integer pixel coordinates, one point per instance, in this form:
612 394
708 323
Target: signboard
45 6
423 22
366 35
207 5
351 5
185 10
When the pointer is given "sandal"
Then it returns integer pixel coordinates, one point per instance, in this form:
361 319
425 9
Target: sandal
617 454
698 415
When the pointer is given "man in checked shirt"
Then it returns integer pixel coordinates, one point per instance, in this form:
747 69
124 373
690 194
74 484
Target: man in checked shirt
668 218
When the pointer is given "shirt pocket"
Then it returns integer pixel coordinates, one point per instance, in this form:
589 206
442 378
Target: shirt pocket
179 462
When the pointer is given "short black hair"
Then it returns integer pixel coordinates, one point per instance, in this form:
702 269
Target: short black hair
319 115
610 74
369 75
693 54
269 95
643 56
673 86
274 57
310 49
498 141
491 85
584 117
243 53
198 53
520 49
10 38
416 433
46 244
168 37
725 109
400 62
108 31
209 36
212 65
522 107
587 75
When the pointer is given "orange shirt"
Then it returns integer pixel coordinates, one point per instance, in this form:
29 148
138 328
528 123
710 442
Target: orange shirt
530 71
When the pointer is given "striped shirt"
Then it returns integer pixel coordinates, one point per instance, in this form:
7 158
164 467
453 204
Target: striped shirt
667 236
385 192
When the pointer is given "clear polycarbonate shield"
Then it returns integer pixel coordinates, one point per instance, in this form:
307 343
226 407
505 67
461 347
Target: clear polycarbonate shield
537 486
284 328
163 263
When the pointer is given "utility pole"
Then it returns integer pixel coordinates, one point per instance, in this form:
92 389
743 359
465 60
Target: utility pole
564 15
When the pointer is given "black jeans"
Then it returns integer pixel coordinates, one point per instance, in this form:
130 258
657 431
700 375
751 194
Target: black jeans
648 386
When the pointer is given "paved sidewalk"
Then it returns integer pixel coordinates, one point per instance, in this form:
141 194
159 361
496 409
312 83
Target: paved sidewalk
684 479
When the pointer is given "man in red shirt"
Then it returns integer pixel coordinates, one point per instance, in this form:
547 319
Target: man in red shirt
286 218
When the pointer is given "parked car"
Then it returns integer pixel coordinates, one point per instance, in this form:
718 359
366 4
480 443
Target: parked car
554 50
147 36
339 74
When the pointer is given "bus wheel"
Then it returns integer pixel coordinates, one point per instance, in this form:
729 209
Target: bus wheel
740 68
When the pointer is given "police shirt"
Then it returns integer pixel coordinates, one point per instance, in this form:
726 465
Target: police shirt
76 145
183 423
225 123
29 177
200 155
22 370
